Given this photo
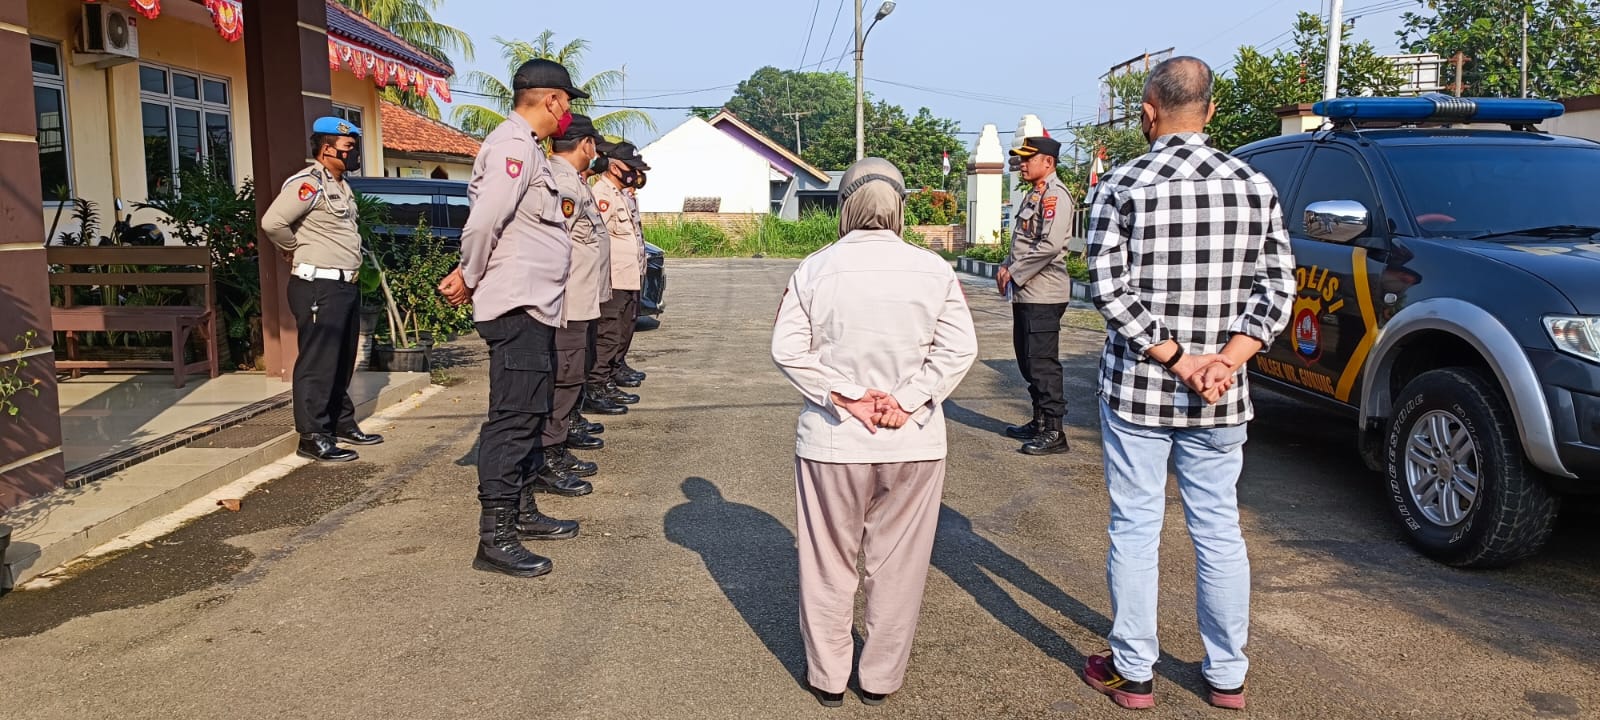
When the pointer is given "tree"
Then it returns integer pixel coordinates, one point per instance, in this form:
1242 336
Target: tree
1261 83
1563 44
480 119
412 21
823 100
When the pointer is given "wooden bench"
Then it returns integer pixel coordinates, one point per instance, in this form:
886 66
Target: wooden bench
182 321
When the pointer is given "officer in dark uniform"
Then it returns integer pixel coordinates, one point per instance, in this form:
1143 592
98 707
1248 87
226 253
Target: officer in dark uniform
1034 278
313 221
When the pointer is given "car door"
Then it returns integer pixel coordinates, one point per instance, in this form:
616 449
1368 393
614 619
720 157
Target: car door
1333 323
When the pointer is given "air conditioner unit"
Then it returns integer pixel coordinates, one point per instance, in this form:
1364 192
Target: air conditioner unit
413 172
109 36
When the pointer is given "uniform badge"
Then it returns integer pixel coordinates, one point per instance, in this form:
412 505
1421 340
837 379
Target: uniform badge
1050 208
307 191
604 206
568 207
1308 330
514 167
344 129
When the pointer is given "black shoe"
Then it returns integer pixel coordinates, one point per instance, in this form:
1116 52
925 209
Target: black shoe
873 699
827 699
556 480
1027 431
597 400
317 446
572 464
631 373
627 381
579 422
500 551
583 441
616 395
535 525
1050 440
354 436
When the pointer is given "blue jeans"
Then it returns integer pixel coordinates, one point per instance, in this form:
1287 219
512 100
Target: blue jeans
1208 462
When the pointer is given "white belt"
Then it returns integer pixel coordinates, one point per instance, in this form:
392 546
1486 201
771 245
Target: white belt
309 272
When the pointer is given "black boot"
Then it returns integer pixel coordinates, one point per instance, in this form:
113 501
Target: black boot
624 381
616 395
597 400
534 525
1050 440
353 436
1028 431
500 551
556 480
631 373
317 446
583 441
579 422
572 464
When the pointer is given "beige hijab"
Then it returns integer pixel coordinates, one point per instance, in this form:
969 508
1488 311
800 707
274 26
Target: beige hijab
872 197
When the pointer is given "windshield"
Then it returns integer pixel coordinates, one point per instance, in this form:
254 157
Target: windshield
1481 190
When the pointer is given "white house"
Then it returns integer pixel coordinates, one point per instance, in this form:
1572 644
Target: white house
723 165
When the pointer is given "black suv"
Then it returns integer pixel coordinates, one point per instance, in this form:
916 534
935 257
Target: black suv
1449 302
443 203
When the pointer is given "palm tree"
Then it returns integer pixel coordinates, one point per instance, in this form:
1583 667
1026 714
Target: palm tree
480 119
412 21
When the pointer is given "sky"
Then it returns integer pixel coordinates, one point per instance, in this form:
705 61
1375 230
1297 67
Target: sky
973 61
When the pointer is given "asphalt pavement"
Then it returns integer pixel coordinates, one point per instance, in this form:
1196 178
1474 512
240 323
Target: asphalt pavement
347 592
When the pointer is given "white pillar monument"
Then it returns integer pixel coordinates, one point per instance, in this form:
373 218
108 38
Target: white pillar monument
985 175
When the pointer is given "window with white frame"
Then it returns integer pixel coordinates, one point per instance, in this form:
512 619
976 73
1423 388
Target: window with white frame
187 120
50 106
352 115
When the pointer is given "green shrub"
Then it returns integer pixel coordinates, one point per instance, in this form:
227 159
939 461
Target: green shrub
772 236
1078 268
988 253
688 239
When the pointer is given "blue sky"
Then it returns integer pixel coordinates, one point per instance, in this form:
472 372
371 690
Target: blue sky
970 60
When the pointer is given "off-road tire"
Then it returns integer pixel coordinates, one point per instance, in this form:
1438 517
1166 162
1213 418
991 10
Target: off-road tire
1514 511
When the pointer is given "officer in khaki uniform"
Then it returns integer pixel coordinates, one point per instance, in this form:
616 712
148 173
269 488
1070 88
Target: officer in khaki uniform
515 255
615 329
574 152
313 220
1035 279
627 376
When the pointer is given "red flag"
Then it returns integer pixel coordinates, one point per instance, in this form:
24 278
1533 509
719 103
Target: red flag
947 162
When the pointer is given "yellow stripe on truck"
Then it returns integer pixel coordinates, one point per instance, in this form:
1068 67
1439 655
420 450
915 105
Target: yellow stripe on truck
1352 369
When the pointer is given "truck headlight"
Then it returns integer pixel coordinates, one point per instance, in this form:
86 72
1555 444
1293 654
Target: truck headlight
1578 336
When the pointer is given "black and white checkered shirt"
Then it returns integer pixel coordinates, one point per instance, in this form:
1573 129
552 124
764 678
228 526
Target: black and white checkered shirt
1186 243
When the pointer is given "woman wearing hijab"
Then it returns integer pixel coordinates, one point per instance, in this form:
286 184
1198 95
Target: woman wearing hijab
875 334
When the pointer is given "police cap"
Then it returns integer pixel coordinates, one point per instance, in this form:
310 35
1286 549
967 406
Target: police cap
1038 145
334 126
541 73
581 127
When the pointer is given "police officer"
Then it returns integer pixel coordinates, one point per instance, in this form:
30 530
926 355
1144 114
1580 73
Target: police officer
514 263
615 331
627 376
576 151
1035 278
313 221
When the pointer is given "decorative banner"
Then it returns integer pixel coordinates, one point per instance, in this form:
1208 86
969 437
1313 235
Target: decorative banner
228 17
150 9
361 62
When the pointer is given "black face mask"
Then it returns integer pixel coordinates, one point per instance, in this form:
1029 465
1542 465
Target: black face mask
350 158
600 164
630 178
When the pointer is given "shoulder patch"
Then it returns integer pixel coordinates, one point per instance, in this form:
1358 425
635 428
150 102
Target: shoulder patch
1050 207
514 167
568 207
605 206
307 191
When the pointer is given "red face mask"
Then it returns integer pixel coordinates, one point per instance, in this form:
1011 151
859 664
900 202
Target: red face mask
562 123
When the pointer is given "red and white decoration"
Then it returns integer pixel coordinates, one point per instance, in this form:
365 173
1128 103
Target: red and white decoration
150 9
363 62
228 17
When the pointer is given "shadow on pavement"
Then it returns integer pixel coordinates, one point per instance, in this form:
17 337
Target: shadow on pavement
751 556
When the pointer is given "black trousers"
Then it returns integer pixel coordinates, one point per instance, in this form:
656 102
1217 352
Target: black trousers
614 334
327 314
1036 334
572 366
521 361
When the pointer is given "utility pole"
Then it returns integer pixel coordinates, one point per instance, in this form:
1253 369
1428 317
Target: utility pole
1330 85
796 116
1524 50
861 93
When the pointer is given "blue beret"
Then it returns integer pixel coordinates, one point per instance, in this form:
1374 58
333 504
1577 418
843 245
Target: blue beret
334 126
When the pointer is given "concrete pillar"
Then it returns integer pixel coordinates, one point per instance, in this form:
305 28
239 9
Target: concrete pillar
286 61
985 174
30 442
1297 119
1029 126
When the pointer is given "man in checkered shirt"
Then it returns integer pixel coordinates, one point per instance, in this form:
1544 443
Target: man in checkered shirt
1191 267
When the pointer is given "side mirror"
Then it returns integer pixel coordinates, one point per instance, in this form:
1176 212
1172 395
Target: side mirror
1337 221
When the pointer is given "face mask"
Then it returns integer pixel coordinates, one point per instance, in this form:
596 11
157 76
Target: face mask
629 178
599 164
350 158
562 123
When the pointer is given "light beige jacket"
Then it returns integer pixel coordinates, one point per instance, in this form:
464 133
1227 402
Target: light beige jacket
871 311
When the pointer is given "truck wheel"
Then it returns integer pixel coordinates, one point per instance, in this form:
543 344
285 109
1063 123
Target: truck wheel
1457 478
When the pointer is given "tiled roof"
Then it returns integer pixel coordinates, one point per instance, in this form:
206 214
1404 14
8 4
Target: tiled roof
345 23
407 132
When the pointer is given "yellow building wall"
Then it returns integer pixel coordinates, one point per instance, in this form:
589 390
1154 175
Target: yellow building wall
456 170
106 134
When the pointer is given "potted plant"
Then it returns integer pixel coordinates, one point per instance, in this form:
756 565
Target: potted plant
405 271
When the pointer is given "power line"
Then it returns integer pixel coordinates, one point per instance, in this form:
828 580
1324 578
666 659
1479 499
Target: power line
815 6
837 13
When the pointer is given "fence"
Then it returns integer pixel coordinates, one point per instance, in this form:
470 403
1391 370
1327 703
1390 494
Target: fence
950 238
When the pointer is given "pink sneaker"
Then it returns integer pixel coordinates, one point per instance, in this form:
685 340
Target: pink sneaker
1226 699
1102 675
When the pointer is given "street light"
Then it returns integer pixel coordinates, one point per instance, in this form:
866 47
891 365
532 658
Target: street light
861 93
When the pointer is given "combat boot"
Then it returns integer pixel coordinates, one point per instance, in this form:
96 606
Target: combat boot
1050 440
1026 431
616 395
534 525
500 551
597 400
557 480
565 459
578 422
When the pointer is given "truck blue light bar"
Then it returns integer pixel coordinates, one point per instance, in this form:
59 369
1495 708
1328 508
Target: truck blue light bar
1440 108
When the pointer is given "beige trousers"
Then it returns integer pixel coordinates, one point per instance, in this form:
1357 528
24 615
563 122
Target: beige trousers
888 513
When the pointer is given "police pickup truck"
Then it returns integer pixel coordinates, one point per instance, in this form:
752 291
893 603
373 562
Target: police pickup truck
1448 264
